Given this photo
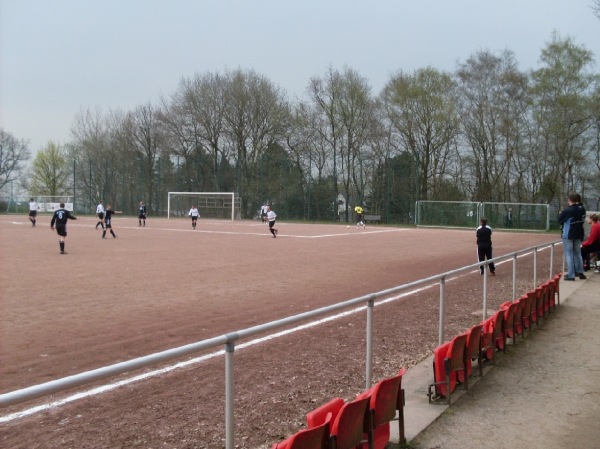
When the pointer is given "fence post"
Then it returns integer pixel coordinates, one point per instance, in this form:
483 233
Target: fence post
369 361
442 309
229 394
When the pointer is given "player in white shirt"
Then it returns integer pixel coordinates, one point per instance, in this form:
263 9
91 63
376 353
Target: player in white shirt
271 216
195 214
33 208
100 213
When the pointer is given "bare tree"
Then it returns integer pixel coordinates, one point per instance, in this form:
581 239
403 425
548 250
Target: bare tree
13 154
422 110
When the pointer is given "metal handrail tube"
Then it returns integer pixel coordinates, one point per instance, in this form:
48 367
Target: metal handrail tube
229 340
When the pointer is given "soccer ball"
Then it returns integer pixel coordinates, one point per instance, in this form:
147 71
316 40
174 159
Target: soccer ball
348 226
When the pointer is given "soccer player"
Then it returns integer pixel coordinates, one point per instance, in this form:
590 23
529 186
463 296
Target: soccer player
142 215
60 217
33 208
195 214
271 216
359 216
100 213
263 212
108 221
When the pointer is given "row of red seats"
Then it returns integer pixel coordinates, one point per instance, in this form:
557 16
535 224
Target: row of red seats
363 423
452 361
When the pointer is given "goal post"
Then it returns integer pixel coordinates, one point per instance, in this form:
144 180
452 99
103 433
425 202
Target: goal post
217 205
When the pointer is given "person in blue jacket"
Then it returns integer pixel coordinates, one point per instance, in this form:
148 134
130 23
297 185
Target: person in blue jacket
571 219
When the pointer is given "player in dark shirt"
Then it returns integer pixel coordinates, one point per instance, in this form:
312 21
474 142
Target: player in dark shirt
484 246
108 221
142 215
60 218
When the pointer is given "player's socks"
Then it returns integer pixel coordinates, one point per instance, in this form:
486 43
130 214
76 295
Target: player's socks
103 233
112 233
62 247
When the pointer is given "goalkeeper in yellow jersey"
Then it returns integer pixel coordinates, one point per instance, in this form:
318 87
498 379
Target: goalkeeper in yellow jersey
358 210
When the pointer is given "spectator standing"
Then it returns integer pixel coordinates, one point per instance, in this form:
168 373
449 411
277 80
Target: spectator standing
484 246
60 218
571 219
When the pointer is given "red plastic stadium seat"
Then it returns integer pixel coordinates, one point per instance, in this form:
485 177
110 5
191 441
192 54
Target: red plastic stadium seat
313 438
473 352
348 426
510 319
348 421
493 335
517 321
387 398
319 415
448 360
525 321
533 297
540 300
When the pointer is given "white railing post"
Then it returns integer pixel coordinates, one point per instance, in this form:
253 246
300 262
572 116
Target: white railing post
229 395
369 355
442 309
535 267
485 275
514 277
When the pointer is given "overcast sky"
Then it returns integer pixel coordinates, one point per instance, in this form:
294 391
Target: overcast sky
58 57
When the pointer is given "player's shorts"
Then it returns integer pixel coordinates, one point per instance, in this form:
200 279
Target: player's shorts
271 224
142 216
101 215
33 213
61 230
194 218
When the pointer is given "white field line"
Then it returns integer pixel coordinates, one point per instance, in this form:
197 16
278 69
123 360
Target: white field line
196 360
262 234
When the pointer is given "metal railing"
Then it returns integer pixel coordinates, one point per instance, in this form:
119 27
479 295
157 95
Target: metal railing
229 340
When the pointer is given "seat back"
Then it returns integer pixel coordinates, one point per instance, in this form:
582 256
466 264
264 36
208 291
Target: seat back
312 438
387 398
539 302
532 295
320 415
473 350
517 320
525 312
509 320
347 427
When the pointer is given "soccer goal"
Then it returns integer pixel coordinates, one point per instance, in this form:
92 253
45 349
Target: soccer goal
447 214
218 205
48 204
466 214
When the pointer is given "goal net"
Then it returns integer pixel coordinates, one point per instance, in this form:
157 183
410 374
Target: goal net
519 216
447 214
466 214
218 205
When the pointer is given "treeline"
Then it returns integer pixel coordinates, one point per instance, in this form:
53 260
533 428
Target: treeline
487 132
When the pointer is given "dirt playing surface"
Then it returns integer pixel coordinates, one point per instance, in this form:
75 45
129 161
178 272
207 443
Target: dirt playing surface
165 286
